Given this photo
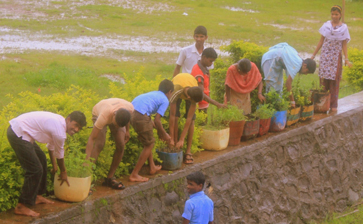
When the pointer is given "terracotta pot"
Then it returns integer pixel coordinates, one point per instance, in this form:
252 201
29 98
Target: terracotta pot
251 129
293 116
215 140
76 192
235 132
264 126
307 112
278 121
321 101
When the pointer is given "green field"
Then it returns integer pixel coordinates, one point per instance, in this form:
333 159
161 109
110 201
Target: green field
262 22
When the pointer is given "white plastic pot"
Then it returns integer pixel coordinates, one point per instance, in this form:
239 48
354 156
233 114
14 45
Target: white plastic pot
76 192
215 140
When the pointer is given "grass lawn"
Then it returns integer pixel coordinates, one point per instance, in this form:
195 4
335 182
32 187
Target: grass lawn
262 22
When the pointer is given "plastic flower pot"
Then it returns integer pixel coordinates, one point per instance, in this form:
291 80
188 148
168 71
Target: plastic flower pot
293 116
251 129
235 132
171 160
76 192
264 126
307 112
278 121
215 139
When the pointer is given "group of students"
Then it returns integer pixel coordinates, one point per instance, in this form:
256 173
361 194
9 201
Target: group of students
191 85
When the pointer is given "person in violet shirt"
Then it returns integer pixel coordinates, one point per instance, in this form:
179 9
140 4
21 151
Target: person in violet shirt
199 208
155 102
44 127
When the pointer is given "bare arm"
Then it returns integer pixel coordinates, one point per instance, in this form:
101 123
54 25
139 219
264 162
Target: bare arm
172 122
185 221
345 52
53 160
91 141
288 88
188 122
127 134
228 93
260 96
63 173
321 41
208 99
176 70
161 131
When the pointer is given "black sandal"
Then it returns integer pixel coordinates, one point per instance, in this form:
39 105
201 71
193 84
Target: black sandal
112 183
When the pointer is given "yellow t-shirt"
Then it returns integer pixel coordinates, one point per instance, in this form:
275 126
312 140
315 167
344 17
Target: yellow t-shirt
181 81
105 109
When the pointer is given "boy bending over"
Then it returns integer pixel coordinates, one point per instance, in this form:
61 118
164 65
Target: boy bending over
145 105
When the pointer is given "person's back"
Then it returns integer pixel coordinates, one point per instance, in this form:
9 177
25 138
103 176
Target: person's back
199 208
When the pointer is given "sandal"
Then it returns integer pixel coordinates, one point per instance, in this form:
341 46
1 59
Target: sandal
188 159
112 183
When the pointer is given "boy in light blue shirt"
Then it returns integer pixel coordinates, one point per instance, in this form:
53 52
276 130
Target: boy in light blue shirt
199 208
284 57
155 102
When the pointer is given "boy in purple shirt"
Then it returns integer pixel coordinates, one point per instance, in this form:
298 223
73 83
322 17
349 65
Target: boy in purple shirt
156 102
199 208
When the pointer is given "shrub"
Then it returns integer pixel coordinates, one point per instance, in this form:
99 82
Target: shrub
265 111
355 73
277 102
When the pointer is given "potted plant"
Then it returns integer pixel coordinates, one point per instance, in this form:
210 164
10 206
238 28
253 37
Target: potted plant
236 124
79 172
215 134
293 113
265 112
252 127
172 158
321 98
280 105
307 109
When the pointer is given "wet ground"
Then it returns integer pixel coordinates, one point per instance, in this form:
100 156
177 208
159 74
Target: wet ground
345 104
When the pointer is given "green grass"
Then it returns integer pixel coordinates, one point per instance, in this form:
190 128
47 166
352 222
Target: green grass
353 215
172 25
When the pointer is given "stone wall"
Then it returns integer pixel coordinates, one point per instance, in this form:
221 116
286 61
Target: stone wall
292 177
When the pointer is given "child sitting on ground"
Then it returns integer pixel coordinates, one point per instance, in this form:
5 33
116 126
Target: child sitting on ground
199 208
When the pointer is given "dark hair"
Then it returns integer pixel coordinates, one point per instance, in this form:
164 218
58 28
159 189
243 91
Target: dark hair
336 8
310 64
123 117
210 53
201 30
244 65
166 86
195 93
197 177
78 117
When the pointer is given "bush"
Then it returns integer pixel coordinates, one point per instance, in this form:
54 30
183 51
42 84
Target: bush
355 73
75 98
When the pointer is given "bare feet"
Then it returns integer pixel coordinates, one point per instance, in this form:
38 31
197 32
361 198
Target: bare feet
41 200
154 169
334 109
21 209
138 178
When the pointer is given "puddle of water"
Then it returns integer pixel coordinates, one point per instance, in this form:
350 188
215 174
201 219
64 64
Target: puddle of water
16 41
114 78
236 9
282 26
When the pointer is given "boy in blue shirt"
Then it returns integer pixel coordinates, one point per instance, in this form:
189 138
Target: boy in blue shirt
155 102
199 208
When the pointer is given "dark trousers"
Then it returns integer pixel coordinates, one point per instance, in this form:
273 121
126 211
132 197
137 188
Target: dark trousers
33 160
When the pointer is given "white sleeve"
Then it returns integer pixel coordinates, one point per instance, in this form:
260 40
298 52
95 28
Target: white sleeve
181 58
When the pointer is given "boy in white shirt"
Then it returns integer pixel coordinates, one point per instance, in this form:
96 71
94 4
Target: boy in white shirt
189 56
